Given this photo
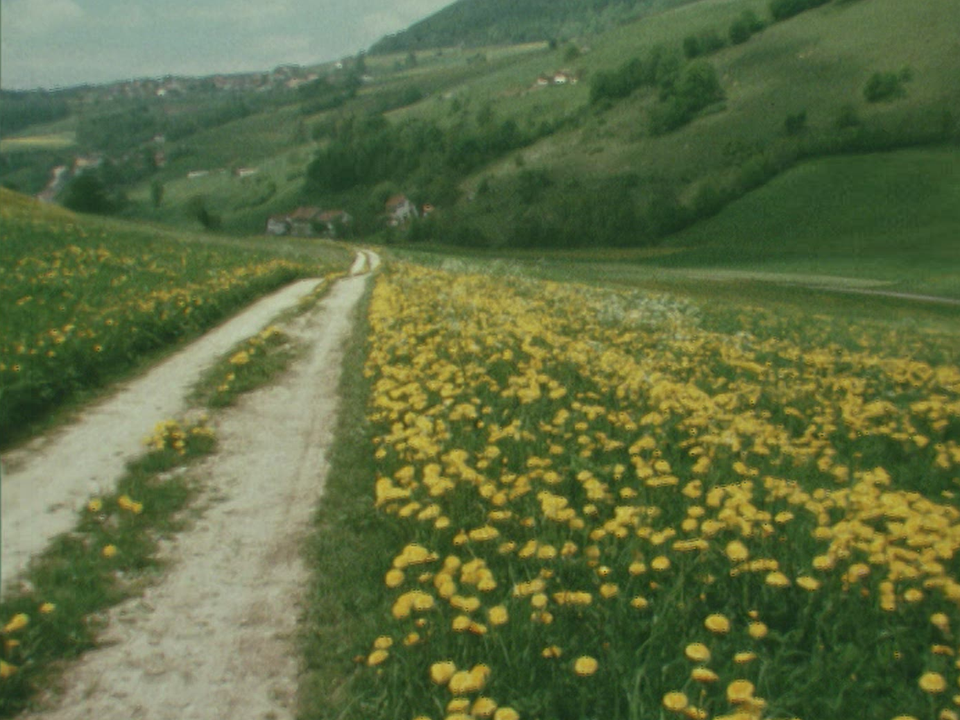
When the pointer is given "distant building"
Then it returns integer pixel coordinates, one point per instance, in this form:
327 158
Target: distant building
303 221
399 210
333 221
278 225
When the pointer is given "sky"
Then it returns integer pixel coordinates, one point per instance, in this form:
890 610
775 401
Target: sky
62 43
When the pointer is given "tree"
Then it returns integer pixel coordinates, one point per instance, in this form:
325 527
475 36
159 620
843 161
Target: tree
156 193
87 193
197 208
699 86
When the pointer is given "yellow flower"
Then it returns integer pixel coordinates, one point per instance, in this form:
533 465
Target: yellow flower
717 623
913 595
697 652
608 590
940 621
585 666
483 707
736 551
393 578
742 658
808 583
95 505
441 672
740 691
506 713
777 579
6 670
17 622
660 563
47 608
758 630
932 682
498 615
675 701
551 652
704 675
461 623
461 683
377 657
383 642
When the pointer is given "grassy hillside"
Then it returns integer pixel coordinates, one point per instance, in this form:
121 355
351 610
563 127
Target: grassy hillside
815 64
891 217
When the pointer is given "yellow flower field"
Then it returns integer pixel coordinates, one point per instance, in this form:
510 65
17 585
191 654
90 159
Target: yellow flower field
614 504
82 303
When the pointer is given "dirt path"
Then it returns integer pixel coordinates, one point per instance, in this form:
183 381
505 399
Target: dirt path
44 482
214 638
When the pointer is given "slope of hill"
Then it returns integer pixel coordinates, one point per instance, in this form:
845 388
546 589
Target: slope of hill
475 23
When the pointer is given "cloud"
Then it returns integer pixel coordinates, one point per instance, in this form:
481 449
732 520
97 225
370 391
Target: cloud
38 17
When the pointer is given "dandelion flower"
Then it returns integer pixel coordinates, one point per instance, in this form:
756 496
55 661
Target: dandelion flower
742 658
377 657
6 670
109 551
585 666
47 608
498 615
483 707
660 563
17 622
808 583
777 579
758 630
736 551
704 675
717 623
506 713
940 621
932 682
441 672
697 652
740 691
675 701
95 505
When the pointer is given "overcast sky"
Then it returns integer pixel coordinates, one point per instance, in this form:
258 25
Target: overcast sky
59 43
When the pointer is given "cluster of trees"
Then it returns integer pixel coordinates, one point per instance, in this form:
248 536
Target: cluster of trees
94 191
684 89
365 151
783 9
20 109
709 41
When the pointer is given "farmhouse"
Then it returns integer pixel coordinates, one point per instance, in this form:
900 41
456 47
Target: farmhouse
333 221
399 210
308 222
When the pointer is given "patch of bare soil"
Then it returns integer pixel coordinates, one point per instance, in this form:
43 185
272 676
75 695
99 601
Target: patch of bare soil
215 637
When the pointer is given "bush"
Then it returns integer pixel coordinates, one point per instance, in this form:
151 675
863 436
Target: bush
796 123
883 86
704 43
847 117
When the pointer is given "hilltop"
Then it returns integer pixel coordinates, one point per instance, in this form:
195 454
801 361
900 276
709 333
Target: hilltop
477 23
